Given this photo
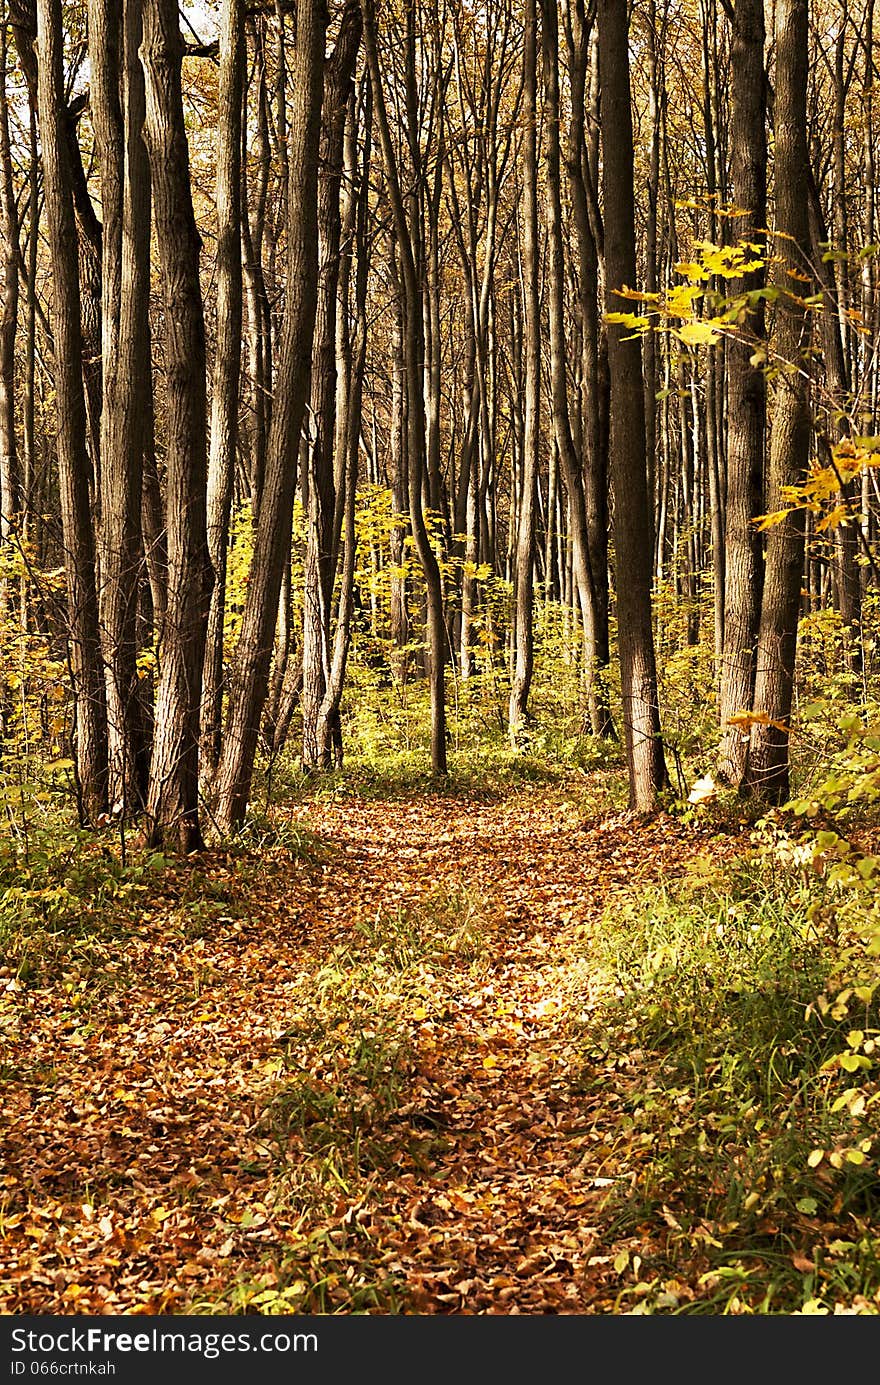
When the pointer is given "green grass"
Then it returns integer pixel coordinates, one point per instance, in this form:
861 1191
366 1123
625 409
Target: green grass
728 1083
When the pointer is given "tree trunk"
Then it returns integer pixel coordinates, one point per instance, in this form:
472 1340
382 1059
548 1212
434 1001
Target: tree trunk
320 563
413 352
249 684
10 252
73 464
523 576
173 796
632 527
599 715
768 763
746 391
348 426
117 122
227 364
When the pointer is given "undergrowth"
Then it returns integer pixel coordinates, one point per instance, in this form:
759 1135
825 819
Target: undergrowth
747 1141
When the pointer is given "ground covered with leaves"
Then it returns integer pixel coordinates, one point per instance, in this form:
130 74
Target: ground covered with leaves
487 1052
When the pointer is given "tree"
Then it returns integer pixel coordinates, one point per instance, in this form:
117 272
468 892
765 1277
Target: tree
524 567
746 390
326 471
249 683
413 353
117 104
173 796
86 668
768 763
227 364
632 548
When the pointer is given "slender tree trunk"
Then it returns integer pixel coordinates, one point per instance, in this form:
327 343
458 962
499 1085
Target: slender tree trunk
413 351
173 796
249 685
632 528
320 563
122 409
599 715
10 253
594 365
399 611
227 364
348 429
746 391
768 763
524 576
73 465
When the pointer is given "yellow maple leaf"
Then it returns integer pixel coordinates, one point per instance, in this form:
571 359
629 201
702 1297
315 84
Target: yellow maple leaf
768 521
837 516
699 333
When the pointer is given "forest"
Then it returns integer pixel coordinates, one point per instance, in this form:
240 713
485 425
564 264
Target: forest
439 667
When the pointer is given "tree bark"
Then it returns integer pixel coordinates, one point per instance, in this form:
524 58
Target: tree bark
73 464
173 797
113 27
249 683
746 391
632 528
227 364
524 576
768 762
320 561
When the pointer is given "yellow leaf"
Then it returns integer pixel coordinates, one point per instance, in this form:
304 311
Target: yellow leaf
698 334
637 321
768 521
833 518
815 1158
690 270
746 719
490 1061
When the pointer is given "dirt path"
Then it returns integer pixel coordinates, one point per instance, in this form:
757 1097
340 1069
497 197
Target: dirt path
135 1173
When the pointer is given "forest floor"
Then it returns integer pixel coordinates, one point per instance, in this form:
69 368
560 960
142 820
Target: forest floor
361 1069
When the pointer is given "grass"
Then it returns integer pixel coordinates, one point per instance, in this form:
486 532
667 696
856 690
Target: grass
729 1088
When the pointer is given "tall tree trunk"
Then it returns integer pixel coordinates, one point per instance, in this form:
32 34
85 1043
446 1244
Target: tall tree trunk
227 364
632 528
249 684
413 351
73 464
768 763
524 577
320 562
173 797
599 715
746 391
348 421
122 397
10 252
594 365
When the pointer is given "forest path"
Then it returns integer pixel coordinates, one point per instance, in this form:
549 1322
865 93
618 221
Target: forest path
501 1214
350 1083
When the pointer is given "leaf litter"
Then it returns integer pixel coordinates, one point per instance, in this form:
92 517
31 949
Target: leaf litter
338 1081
